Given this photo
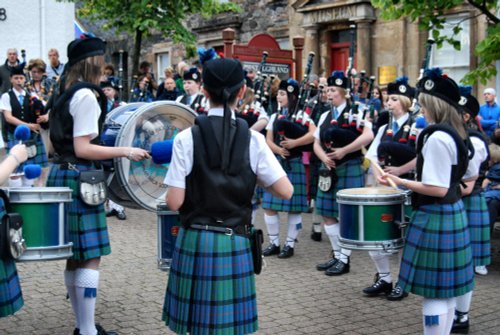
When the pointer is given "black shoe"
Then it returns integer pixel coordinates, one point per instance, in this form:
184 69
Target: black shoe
397 294
112 212
326 265
316 236
76 331
338 269
378 287
272 249
287 252
460 324
101 331
121 215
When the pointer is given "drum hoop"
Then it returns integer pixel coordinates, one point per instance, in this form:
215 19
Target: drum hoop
121 176
59 194
133 106
370 202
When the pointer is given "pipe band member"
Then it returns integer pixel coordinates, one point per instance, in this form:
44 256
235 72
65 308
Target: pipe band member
211 179
337 143
437 258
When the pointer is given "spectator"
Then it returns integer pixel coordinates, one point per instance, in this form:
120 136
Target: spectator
145 70
489 113
55 68
5 70
491 184
142 93
179 81
167 90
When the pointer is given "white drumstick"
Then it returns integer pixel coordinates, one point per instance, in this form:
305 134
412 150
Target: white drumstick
389 180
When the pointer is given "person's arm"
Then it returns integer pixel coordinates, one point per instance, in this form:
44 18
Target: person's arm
175 197
308 138
11 119
16 156
282 188
322 155
260 124
275 148
469 186
364 139
485 184
86 150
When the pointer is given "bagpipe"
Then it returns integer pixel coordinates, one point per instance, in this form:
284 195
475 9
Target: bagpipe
415 107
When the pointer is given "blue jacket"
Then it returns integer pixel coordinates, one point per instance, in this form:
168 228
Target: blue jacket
490 116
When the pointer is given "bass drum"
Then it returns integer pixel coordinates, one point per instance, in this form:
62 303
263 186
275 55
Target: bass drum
140 184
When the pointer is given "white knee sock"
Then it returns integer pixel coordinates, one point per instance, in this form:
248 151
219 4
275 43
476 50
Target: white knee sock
344 255
69 281
86 282
115 206
333 232
382 264
463 302
273 228
435 312
452 305
294 226
254 214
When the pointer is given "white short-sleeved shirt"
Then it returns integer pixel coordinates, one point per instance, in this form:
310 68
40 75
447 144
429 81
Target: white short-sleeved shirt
440 153
480 155
359 117
262 160
5 100
85 111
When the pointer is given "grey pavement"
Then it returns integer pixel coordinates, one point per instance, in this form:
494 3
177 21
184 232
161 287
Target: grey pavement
293 298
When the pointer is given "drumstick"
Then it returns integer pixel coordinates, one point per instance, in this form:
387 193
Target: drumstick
389 180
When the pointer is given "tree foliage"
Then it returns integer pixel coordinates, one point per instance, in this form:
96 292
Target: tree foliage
430 15
141 18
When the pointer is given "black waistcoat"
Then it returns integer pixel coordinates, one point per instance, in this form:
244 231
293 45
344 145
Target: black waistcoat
23 112
61 123
221 198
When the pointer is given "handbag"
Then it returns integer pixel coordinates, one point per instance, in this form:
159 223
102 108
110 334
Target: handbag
256 240
92 185
327 179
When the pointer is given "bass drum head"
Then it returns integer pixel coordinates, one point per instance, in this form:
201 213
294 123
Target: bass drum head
143 181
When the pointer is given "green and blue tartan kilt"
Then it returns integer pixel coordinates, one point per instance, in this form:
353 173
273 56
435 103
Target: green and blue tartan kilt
437 257
87 227
350 175
479 228
211 285
296 173
11 298
41 156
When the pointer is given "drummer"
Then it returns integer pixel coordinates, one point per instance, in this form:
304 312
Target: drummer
342 159
394 146
75 123
437 257
290 157
11 299
193 98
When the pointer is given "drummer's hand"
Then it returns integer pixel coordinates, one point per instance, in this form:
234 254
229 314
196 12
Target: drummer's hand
284 153
338 153
329 163
383 179
394 170
19 151
138 154
288 143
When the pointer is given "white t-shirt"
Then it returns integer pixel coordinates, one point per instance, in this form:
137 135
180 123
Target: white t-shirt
262 160
85 111
440 153
480 155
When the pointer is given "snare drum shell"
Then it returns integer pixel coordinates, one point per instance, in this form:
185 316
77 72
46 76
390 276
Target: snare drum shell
168 229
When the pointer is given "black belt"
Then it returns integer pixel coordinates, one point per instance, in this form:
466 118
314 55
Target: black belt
71 166
238 230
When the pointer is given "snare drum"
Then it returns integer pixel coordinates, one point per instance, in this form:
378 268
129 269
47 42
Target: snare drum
44 226
370 218
140 184
168 229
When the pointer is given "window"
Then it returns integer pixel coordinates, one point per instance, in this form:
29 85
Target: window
162 61
456 63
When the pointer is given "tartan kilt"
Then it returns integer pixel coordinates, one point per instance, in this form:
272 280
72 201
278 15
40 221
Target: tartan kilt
211 285
314 165
87 227
479 228
437 258
11 298
41 155
296 173
350 175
